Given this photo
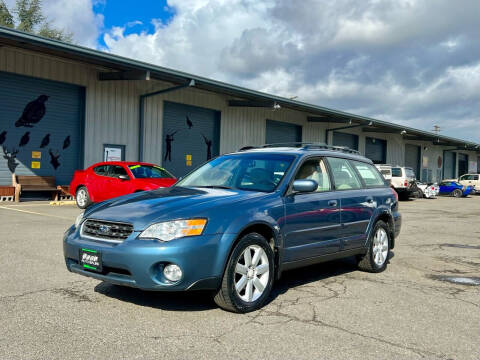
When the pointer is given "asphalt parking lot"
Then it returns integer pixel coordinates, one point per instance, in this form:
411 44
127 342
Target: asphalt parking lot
329 311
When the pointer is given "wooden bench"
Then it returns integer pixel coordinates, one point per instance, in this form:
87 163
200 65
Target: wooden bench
34 183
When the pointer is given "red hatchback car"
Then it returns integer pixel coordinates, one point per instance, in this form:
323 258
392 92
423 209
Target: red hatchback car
107 180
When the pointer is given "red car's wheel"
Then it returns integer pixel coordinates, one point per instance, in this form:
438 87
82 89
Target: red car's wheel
82 197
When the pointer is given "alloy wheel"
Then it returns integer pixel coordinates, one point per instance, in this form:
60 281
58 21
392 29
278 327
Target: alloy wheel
81 197
380 247
252 273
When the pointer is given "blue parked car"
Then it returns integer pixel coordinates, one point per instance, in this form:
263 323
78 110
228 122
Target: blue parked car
454 189
237 222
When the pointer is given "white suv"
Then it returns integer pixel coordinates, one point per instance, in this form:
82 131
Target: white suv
471 180
403 181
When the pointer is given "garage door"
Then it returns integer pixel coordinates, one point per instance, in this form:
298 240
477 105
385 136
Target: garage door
191 136
412 158
376 150
282 132
41 128
449 161
462 164
344 139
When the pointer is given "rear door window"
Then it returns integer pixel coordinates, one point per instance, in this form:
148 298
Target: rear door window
101 170
344 176
369 174
396 172
116 171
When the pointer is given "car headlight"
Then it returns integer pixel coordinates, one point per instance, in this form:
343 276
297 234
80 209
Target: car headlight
169 230
78 220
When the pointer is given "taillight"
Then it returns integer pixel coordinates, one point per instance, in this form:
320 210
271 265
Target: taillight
394 193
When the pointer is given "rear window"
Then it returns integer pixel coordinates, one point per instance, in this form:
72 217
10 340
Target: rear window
396 172
369 174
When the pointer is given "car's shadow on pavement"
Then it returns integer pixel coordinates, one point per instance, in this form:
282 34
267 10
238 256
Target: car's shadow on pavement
203 300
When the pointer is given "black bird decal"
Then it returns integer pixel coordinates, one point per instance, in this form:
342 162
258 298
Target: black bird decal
3 137
54 159
33 112
45 141
189 123
66 142
25 139
10 157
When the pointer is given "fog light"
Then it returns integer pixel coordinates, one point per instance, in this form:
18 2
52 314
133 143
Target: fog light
172 272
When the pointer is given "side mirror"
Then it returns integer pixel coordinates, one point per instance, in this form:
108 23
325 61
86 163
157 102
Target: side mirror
305 185
123 177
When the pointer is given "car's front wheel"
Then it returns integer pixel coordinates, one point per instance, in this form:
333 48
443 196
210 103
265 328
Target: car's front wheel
376 258
82 197
248 277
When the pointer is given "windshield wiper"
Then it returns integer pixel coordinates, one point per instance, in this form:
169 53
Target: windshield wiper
215 187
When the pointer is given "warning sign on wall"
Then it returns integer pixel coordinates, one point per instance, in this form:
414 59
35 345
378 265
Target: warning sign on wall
35 165
36 154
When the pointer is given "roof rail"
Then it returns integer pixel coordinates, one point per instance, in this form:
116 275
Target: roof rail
304 146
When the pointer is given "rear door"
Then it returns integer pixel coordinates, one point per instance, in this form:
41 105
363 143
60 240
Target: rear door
312 220
356 203
98 182
117 186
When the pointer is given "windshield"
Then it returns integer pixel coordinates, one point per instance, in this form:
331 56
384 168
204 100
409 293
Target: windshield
255 172
148 171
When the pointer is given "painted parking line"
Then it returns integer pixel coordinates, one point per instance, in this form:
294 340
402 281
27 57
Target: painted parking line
35 213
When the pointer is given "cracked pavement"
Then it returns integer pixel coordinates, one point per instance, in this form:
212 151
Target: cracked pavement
330 310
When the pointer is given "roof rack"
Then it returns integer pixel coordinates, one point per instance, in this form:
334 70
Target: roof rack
304 146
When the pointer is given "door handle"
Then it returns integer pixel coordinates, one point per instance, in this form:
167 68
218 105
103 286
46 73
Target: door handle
332 203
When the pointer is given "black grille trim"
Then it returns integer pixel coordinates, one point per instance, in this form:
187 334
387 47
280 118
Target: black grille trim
117 232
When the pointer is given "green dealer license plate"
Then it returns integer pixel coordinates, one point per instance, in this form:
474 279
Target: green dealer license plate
91 259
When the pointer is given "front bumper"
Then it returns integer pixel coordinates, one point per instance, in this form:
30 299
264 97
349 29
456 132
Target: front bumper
139 263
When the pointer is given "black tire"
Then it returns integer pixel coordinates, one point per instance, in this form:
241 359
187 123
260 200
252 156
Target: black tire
227 297
366 262
457 193
87 202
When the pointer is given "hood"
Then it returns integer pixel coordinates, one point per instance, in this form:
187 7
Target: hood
144 208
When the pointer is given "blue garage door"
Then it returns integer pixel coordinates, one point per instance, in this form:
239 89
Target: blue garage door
344 139
191 136
282 132
376 150
449 164
41 128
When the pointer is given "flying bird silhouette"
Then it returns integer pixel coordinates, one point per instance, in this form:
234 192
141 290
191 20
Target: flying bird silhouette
25 139
189 123
3 137
33 112
45 141
54 159
66 142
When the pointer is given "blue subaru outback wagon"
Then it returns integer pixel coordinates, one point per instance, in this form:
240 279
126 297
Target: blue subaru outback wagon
237 222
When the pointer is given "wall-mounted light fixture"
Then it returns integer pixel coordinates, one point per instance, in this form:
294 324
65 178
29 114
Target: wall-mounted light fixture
403 132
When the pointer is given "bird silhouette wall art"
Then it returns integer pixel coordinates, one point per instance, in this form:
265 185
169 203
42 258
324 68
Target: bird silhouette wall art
3 137
10 157
189 123
54 159
208 142
168 141
66 142
33 112
25 139
45 141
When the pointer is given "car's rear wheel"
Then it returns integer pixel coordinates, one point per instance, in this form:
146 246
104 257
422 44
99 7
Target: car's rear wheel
376 258
248 277
82 197
457 193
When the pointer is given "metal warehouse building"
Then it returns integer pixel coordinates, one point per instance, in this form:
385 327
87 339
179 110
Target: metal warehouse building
64 107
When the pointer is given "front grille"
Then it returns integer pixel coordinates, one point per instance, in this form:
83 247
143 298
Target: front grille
106 230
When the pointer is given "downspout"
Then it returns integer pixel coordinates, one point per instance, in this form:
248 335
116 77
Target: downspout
141 112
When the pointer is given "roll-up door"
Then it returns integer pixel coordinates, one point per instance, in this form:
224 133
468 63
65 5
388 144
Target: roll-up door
449 161
282 132
462 164
191 136
412 158
41 128
344 139
376 150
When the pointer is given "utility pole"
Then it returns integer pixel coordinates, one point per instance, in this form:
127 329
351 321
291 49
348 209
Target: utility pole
436 129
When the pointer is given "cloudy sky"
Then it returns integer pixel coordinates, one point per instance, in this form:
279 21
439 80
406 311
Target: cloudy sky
415 62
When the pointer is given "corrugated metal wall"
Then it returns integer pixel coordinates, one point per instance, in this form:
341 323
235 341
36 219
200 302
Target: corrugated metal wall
111 113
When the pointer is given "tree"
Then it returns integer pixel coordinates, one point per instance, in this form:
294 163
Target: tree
29 18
